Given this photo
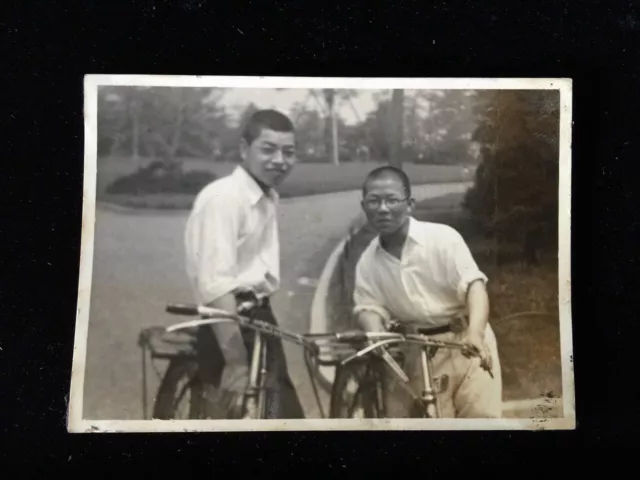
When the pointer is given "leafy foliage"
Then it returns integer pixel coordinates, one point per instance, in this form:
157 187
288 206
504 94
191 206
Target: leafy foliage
515 196
160 177
159 122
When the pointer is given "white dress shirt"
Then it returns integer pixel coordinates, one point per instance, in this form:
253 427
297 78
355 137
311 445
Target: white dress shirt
231 238
427 286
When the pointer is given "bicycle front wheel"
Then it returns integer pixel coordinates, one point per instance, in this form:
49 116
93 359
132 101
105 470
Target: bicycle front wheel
181 394
357 391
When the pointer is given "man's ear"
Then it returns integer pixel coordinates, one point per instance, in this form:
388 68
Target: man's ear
411 203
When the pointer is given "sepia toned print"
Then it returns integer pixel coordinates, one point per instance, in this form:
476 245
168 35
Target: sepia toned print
265 253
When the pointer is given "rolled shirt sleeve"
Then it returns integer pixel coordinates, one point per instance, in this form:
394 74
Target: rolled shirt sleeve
461 266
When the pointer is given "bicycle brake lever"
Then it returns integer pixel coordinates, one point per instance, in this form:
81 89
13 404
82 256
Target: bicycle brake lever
386 356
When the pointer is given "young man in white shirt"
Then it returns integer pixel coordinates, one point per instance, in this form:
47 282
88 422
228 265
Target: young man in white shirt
232 247
423 274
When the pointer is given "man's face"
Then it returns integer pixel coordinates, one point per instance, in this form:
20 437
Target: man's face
270 157
385 204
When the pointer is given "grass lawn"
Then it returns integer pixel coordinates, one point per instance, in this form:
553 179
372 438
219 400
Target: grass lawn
529 345
305 179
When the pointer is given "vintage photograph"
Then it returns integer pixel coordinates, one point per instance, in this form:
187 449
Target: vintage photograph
270 253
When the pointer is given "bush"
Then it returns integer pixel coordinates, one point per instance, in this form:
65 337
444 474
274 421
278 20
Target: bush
161 177
515 196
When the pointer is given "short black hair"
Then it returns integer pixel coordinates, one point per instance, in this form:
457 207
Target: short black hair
388 171
271 119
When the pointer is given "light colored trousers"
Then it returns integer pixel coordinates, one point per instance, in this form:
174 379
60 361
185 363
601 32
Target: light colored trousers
471 392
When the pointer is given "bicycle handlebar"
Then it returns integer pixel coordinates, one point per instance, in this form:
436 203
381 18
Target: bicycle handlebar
214 315
309 340
418 339
191 309
355 336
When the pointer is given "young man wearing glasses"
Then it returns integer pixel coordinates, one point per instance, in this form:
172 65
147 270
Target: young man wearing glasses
423 274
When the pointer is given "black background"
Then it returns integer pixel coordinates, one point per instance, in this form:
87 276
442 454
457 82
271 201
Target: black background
47 47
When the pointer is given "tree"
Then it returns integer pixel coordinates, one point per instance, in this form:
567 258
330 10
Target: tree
171 115
376 127
310 131
328 100
161 121
119 110
440 124
396 123
515 196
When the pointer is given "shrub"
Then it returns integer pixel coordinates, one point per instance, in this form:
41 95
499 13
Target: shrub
515 196
161 177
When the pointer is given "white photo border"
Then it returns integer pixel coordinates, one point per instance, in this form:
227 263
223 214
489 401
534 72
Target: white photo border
75 421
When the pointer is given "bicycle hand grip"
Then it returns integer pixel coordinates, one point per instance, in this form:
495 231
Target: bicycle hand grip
352 336
244 307
181 309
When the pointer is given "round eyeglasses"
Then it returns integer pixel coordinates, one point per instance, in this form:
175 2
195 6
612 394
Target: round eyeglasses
376 202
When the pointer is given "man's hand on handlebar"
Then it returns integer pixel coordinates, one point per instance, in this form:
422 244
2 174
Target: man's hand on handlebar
478 347
371 322
247 299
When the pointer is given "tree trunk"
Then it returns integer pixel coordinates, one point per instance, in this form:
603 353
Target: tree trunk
396 127
334 138
329 96
176 136
135 132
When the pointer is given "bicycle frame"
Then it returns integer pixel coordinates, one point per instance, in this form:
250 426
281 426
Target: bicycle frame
253 397
427 396
254 400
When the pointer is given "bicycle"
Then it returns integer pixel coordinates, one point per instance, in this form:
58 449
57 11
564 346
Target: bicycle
184 363
367 368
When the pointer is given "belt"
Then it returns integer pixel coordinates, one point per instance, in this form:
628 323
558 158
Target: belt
455 325
400 328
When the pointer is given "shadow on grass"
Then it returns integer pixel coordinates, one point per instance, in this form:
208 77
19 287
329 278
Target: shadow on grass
529 344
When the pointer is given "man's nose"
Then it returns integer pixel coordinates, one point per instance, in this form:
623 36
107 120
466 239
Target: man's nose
383 207
277 157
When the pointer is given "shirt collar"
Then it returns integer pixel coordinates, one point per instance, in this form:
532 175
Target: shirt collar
414 234
252 188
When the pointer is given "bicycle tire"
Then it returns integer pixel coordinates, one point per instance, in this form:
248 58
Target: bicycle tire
369 382
167 398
